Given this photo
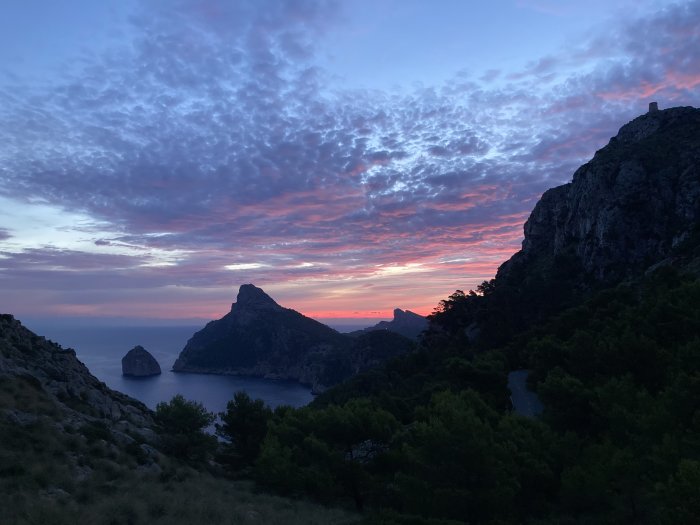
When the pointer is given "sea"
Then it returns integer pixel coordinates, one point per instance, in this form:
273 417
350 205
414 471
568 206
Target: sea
101 349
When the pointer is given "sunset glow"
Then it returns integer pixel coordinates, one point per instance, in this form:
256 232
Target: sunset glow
347 165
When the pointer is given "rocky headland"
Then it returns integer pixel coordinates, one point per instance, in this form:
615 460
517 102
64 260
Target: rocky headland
260 338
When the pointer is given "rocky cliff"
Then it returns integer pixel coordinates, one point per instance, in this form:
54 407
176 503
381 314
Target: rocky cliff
260 338
138 362
633 207
78 395
405 323
629 208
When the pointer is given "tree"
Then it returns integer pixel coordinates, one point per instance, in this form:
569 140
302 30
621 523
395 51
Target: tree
329 452
680 495
244 426
182 428
486 287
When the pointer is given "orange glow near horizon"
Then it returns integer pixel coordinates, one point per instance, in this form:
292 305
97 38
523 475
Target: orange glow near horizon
363 292
372 314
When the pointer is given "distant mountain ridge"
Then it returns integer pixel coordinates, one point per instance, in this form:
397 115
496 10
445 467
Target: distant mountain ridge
408 324
260 338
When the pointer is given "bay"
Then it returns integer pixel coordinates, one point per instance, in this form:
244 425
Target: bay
101 349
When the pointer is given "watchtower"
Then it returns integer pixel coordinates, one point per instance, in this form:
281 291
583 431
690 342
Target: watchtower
653 107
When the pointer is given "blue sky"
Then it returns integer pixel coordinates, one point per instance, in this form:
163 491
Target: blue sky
349 157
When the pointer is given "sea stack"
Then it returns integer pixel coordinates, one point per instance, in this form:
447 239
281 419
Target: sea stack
138 362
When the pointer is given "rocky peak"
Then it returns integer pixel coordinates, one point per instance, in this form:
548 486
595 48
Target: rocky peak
407 317
633 207
405 322
653 122
625 210
398 314
251 297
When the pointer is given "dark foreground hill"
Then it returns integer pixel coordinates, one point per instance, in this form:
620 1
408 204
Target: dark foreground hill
74 451
260 338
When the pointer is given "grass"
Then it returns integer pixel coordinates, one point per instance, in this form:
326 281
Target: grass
198 498
54 473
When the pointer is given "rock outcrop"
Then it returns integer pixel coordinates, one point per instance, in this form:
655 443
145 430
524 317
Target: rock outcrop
138 362
260 338
405 323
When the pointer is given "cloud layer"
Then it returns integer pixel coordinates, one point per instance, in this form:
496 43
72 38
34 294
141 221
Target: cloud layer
217 153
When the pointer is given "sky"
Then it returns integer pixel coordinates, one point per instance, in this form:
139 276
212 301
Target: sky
349 157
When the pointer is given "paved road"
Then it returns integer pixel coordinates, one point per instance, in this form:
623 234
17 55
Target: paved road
525 402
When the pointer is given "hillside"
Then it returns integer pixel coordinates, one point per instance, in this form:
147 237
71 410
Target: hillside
630 207
59 377
74 451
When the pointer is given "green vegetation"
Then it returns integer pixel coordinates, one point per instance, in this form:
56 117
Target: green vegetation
183 429
328 453
55 472
428 437
243 428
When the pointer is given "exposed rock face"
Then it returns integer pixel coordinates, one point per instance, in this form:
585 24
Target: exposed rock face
405 322
138 362
251 297
260 338
633 207
627 209
68 383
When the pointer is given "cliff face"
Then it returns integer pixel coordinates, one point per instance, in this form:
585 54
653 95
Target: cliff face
635 206
260 338
631 207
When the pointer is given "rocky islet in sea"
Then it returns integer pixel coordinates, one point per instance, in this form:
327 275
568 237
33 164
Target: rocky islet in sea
138 362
